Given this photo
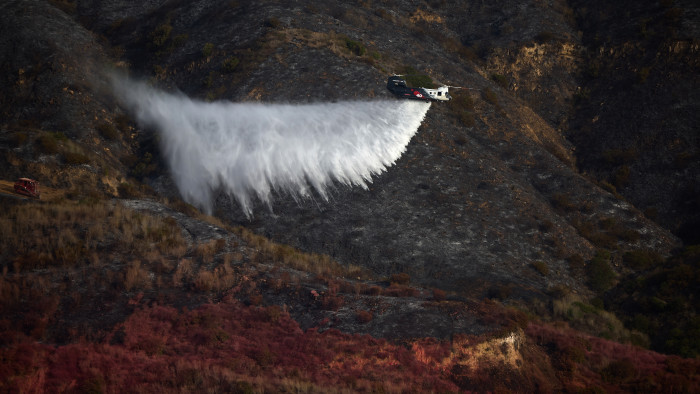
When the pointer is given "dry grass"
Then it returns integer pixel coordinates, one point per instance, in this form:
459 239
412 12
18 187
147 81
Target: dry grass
586 317
268 251
136 276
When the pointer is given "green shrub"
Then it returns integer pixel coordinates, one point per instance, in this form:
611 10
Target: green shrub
159 70
230 64
160 35
207 49
500 79
180 40
355 47
208 80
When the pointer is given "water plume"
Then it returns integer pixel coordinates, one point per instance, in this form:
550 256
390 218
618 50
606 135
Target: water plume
257 150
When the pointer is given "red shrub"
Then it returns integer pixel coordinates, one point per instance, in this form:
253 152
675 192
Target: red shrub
439 295
364 317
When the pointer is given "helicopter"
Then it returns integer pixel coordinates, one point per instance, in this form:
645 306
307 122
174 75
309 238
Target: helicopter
398 87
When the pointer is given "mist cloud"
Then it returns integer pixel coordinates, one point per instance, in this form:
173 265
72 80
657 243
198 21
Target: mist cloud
253 151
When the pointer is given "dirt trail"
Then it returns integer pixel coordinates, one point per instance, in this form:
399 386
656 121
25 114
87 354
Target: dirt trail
47 193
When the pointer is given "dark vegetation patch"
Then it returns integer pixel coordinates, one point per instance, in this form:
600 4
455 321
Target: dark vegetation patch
661 301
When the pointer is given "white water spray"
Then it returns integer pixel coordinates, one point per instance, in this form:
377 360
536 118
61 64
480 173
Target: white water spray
251 150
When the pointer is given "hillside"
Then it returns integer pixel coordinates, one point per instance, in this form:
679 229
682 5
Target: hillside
545 212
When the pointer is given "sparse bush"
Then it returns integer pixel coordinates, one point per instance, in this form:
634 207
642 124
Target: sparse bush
467 118
462 102
600 275
384 14
180 40
47 144
273 22
355 47
135 276
229 65
489 96
160 35
582 94
75 158
439 295
396 290
122 122
364 317
561 201
621 176
204 281
183 272
159 70
559 291
463 105
206 251
107 131
500 79
332 302
207 49
642 259
500 292
544 37
127 190
400 278
372 290
541 267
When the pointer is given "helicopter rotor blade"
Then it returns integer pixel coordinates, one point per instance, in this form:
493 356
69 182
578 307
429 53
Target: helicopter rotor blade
460 87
